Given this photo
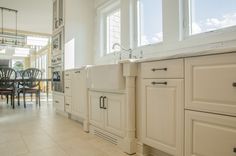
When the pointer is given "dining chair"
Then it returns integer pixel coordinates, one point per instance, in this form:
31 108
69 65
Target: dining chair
8 87
30 84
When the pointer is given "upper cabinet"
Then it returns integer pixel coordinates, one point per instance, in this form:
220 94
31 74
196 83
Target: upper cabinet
58 14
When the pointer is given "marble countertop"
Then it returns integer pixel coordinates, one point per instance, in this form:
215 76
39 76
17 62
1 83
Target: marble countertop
177 56
79 68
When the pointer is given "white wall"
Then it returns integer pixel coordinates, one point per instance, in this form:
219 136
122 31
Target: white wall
33 15
79 26
99 2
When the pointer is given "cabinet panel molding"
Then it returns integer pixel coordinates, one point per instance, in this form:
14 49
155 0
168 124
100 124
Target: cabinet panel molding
209 134
209 84
163 115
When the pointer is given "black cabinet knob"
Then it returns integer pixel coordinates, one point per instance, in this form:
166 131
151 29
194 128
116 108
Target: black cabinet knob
234 84
235 150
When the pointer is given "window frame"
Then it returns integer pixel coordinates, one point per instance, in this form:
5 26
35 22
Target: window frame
105 29
225 33
137 27
102 12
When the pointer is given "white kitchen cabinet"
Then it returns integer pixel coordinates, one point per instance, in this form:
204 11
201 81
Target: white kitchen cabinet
107 111
79 93
209 134
114 113
96 114
163 114
162 105
76 92
58 102
58 14
68 91
211 83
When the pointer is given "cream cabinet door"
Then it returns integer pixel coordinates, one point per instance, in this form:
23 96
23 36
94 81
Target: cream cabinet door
209 134
79 91
114 113
163 115
210 83
96 114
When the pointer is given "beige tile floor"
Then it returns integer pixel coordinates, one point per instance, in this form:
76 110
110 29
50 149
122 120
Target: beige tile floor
41 132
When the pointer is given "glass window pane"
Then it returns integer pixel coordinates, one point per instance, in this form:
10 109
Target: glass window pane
209 15
113 30
149 22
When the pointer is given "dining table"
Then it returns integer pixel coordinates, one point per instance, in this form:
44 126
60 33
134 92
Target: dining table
19 80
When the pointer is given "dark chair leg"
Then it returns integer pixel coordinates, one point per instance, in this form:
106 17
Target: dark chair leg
18 98
12 101
36 98
7 99
24 99
39 99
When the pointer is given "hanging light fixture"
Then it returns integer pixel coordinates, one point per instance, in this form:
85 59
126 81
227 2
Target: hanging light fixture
11 39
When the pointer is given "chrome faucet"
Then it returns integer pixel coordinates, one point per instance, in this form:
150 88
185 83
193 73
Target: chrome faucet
124 49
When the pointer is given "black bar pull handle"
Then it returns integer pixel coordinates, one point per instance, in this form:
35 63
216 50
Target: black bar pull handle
103 101
159 83
234 150
100 102
234 84
159 69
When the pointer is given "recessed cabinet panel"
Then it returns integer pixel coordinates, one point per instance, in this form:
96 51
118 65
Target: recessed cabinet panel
210 83
163 115
96 114
161 102
209 134
114 114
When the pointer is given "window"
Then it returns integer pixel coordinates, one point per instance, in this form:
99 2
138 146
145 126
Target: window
113 27
149 22
208 15
37 41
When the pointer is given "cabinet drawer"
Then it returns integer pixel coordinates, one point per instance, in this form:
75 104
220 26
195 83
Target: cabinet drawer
68 88
68 104
68 75
58 102
68 101
163 69
210 83
209 135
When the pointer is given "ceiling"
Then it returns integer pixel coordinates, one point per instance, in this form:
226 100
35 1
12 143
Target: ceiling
33 15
